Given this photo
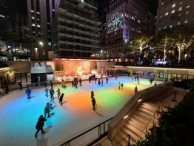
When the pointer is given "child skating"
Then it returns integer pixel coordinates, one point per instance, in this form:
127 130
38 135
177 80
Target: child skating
46 90
28 92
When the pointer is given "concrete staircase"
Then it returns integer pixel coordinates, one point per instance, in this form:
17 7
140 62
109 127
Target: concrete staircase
135 125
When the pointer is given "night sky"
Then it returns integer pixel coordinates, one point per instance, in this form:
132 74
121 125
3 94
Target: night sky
153 4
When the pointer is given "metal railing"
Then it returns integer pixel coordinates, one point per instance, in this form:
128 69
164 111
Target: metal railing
160 106
68 142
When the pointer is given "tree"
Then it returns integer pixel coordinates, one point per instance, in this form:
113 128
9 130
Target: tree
140 41
183 37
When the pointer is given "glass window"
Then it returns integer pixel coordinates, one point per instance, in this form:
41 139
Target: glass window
178 23
180 9
172 11
186 21
188 6
166 13
171 26
174 5
187 12
49 43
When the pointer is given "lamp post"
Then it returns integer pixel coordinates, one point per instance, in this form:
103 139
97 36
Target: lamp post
42 44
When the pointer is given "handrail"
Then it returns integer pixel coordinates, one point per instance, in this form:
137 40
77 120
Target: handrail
85 132
157 109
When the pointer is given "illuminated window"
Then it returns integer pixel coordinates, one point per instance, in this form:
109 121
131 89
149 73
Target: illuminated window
32 11
180 9
38 12
49 43
188 6
165 27
186 21
166 13
187 12
172 11
178 23
32 17
173 5
33 24
38 25
160 28
171 26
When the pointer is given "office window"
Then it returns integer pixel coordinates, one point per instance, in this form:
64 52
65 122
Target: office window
174 5
166 14
186 21
173 11
178 23
180 8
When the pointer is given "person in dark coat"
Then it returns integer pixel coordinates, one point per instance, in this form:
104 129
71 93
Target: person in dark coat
80 81
102 82
51 83
95 80
52 93
40 125
72 83
20 84
28 91
61 98
94 103
6 89
92 94
107 80
46 110
99 82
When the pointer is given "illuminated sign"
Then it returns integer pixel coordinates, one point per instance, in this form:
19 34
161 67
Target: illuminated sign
115 22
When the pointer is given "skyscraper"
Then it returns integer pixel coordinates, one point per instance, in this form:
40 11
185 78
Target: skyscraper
76 29
172 13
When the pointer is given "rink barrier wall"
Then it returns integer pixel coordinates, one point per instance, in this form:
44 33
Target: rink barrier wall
132 105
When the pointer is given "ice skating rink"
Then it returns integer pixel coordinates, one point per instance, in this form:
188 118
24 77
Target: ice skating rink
19 115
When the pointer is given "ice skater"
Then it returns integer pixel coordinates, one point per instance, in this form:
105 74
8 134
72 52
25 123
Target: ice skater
107 80
40 125
80 82
115 77
64 86
28 92
119 85
46 110
94 103
92 94
6 89
52 93
95 80
122 86
135 89
138 81
46 90
58 93
99 82
102 82
133 78
155 84
62 82
61 99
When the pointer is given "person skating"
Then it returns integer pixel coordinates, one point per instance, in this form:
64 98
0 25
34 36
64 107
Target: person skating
99 82
107 80
155 84
51 83
95 80
92 94
6 89
46 90
133 78
64 86
52 93
76 84
135 89
20 84
62 83
122 86
40 125
138 81
119 85
28 92
58 93
102 82
80 82
46 110
115 77
94 103
61 99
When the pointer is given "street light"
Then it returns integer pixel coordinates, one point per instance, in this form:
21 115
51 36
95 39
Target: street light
41 43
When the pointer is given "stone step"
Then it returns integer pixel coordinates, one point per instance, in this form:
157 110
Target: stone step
133 135
148 107
142 115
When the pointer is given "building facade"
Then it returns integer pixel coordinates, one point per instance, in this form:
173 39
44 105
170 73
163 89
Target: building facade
125 19
40 16
172 13
76 29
